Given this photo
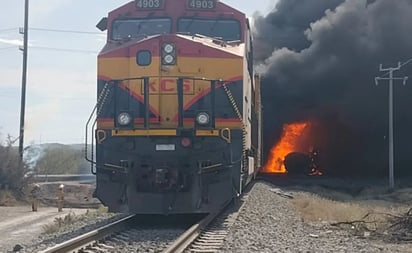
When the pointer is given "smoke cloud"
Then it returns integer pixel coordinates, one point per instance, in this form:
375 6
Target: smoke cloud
318 60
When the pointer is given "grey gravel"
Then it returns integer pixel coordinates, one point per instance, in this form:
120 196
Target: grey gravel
268 223
143 240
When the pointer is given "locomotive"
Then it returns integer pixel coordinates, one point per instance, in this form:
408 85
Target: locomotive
177 125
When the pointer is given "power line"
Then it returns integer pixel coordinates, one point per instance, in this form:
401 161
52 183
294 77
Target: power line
5 48
66 50
401 64
9 29
63 31
49 98
3 52
406 62
51 30
9 96
55 49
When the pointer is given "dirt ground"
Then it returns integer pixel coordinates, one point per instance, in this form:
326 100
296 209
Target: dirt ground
19 225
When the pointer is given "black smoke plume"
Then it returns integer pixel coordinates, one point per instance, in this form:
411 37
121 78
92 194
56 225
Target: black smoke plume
318 60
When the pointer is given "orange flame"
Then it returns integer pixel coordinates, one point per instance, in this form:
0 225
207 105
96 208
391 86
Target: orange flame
287 144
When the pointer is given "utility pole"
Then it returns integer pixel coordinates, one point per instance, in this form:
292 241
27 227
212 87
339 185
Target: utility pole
391 78
24 77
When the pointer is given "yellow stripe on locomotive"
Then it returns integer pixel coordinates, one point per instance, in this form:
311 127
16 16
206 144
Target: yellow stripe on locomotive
163 80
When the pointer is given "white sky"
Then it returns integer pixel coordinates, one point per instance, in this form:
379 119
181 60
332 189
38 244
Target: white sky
61 81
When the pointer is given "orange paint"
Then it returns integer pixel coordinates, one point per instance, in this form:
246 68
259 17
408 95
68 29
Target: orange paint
287 144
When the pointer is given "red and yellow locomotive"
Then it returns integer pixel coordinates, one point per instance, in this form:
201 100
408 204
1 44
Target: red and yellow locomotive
178 110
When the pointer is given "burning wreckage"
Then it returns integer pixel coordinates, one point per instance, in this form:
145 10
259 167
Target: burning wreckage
293 154
318 61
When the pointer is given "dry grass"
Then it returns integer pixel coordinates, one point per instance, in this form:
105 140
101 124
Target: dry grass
314 208
59 224
340 204
367 211
370 211
96 212
7 198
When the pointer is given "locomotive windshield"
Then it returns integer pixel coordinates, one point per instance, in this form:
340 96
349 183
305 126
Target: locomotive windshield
133 28
225 29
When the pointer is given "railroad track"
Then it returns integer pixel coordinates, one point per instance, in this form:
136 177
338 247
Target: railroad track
206 235
88 240
134 233
143 234
191 234
209 234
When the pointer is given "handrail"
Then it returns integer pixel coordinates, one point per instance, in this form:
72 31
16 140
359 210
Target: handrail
95 113
87 141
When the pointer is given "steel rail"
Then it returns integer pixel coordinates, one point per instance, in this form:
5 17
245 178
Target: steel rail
190 235
87 239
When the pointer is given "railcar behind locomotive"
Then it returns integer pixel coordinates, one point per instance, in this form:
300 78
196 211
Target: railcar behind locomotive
177 125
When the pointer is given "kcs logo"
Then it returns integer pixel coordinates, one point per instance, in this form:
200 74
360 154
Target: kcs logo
169 86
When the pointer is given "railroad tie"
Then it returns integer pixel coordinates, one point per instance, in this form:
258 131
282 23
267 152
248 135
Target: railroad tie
105 246
203 250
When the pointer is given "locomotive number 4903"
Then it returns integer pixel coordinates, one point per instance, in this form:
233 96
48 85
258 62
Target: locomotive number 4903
201 4
149 4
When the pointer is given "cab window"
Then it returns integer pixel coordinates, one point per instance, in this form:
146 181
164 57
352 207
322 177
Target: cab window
224 29
134 28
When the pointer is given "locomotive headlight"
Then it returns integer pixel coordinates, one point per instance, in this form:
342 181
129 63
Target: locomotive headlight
168 48
168 59
124 119
169 54
203 118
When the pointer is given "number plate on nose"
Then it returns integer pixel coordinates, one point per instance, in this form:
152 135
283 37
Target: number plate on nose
165 147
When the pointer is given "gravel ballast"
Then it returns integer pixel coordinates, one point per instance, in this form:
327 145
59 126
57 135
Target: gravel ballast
269 223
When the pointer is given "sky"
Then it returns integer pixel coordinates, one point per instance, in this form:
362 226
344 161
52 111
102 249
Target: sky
61 78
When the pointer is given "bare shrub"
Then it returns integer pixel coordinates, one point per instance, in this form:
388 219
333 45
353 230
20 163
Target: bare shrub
7 198
59 223
401 227
12 169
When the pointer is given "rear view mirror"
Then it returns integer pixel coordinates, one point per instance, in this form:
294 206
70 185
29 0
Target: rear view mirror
102 25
